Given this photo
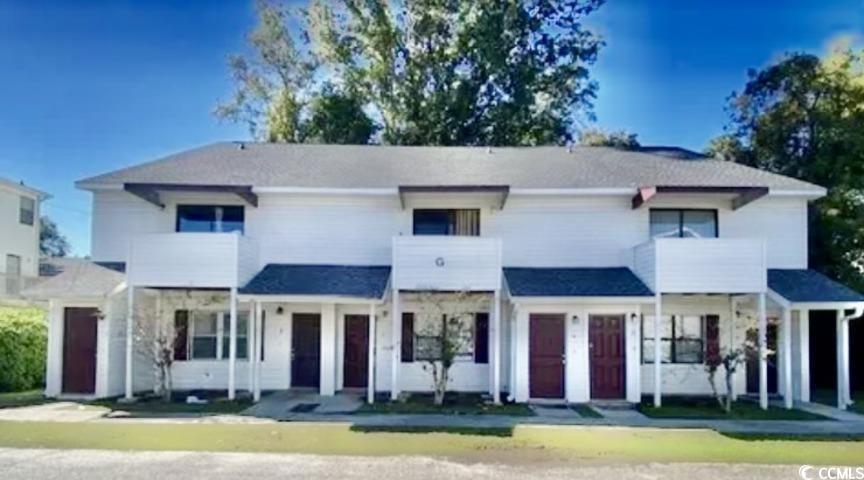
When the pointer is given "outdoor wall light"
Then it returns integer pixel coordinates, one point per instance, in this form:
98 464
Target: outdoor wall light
280 310
575 319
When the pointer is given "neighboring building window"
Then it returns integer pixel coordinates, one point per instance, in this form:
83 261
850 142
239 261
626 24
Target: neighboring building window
682 339
481 337
209 218
27 211
683 223
210 333
454 222
407 337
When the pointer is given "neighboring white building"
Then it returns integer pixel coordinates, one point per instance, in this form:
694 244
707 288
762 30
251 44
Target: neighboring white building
19 236
283 253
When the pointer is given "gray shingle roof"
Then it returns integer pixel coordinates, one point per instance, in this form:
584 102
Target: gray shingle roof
340 280
809 286
574 282
371 166
76 278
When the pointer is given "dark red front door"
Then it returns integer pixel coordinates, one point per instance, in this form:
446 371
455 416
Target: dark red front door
606 341
79 350
546 355
356 364
306 350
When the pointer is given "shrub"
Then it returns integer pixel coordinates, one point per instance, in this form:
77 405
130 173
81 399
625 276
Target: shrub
23 342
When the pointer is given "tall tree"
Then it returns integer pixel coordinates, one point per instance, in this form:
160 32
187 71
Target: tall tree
484 72
52 243
275 85
802 117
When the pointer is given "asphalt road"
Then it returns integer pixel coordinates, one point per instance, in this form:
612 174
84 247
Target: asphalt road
97 464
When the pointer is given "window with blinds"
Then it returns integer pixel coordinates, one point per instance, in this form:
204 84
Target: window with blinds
453 222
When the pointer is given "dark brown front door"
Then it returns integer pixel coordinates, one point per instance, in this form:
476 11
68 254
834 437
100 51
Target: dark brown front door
606 342
546 355
306 350
79 350
356 364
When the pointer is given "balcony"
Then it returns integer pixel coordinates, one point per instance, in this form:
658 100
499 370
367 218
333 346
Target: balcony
192 260
702 265
446 263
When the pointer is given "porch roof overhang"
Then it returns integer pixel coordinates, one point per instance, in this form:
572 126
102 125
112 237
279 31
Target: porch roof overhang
500 192
150 192
810 290
297 283
741 196
543 284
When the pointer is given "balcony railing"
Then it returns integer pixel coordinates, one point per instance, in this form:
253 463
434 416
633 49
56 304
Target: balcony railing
192 260
702 265
445 263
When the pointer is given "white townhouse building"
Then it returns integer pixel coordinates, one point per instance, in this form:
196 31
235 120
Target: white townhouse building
601 273
19 236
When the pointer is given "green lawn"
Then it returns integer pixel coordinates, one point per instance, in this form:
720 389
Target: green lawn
454 404
21 399
829 397
527 443
585 411
707 408
217 403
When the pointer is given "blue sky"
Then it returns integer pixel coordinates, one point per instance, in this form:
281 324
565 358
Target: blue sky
87 87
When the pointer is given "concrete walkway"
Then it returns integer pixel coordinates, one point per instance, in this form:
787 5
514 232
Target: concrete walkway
283 406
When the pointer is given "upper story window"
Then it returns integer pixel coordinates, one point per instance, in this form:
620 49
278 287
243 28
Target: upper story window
463 222
683 223
209 218
27 211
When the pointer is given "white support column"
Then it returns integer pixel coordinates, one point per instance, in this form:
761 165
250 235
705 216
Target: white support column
250 355
804 354
786 328
259 338
733 342
396 342
130 329
370 366
842 360
658 379
232 346
496 343
514 314
328 350
763 354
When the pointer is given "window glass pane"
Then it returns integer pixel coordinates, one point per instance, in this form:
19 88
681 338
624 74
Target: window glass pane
688 327
665 223
700 223
209 218
431 222
26 211
242 335
204 347
205 323
688 351
665 326
195 218
648 351
232 219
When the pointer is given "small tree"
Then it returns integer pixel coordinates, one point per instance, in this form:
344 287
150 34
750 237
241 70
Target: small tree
156 335
731 358
446 332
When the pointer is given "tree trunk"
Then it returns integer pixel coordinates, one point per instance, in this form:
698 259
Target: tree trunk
729 373
441 386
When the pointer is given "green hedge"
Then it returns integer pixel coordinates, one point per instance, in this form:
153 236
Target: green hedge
23 342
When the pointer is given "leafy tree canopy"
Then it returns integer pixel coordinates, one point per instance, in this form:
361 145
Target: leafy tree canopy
485 72
803 117
52 243
600 138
